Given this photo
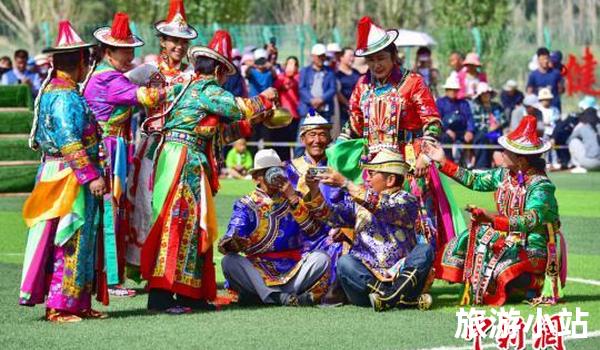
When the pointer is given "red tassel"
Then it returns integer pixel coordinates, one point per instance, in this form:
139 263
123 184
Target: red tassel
362 36
120 27
176 7
221 42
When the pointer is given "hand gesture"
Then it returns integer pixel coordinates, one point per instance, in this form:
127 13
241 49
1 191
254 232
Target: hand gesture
98 187
435 152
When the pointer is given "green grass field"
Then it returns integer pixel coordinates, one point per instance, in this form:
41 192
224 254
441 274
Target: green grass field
348 327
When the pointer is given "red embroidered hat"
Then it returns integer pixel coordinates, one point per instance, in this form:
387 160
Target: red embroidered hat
175 24
119 35
67 39
524 139
219 49
371 38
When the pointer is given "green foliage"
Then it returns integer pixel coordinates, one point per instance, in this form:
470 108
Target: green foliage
472 13
15 122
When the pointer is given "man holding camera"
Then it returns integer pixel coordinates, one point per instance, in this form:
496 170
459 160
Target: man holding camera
269 226
386 267
315 136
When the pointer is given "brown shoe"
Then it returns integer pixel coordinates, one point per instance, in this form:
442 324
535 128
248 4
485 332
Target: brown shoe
91 313
56 316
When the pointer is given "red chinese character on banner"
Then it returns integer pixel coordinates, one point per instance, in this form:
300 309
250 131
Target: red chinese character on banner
581 77
548 334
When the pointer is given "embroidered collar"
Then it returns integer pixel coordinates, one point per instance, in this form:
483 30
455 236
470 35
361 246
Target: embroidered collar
62 80
308 159
165 69
396 76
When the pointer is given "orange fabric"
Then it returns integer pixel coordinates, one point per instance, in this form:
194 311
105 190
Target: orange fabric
51 199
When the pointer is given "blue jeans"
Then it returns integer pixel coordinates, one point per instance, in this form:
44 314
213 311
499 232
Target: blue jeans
354 275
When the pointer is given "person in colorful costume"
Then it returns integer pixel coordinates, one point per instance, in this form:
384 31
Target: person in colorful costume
386 267
514 252
177 256
168 70
113 99
315 136
62 211
269 226
392 108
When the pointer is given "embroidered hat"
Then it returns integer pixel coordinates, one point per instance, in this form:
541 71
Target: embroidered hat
371 38
265 159
388 161
524 139
313 120
119 35
66 40
175 24
219 49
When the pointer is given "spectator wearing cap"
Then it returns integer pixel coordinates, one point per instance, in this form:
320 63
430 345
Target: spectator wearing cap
317 85
470 75
584 142
273 54
42 65
528 107
457 117
550 113
489 122
347 77
546 77
20 74
510 97
424 66
334 54
261 75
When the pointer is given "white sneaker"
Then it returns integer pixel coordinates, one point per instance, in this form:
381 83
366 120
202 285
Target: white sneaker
579 170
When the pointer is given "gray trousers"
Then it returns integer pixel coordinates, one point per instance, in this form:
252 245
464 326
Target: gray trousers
577 149
246 280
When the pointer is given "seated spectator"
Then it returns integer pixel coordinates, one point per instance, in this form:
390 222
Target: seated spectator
457 118
236 84
424 66
489 121
584 142
268 226
20 75
42 65
510 97
238 161
5 65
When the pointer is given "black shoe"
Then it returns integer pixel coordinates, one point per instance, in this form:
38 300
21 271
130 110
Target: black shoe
389 297
304 299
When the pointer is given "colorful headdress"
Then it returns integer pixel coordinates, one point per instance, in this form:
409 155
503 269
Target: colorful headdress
371 38
119 35
219 49
524 139
175 24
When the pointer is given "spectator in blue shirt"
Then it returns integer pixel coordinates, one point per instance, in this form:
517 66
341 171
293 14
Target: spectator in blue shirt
261 75
457 117
510 97
20 75
347 78
236 83
317 85
546 76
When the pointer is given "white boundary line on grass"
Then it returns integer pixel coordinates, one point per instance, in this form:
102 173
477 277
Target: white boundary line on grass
583 280
593 334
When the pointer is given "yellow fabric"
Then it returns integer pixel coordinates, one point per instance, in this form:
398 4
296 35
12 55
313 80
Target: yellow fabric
51 198
208 220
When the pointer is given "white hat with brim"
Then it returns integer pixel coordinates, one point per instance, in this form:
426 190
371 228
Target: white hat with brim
315 121
524 139
265 159
452 83
104 37
385 41
202 51
482 88
388 161
520 149
177 31
510 85
318 50
545 94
